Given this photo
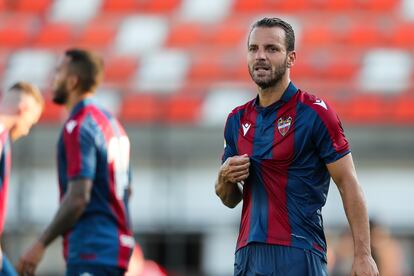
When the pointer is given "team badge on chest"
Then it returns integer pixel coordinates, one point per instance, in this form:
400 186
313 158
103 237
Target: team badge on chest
283 125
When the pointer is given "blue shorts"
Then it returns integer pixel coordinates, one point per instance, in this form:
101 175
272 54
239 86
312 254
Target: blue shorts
93 270
265 259
7 268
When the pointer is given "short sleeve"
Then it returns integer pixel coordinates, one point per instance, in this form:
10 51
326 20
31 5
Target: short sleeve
229 139
328 135
80 151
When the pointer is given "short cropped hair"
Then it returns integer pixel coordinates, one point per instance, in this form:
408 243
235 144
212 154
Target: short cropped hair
277 22
30 90
87 66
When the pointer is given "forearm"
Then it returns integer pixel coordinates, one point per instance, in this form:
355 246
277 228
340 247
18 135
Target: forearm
67 215
229 193
357 214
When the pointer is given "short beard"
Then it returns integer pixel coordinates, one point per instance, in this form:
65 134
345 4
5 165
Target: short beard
60 94
275 78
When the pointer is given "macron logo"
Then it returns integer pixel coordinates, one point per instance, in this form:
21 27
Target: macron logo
321 103
246 127
70 126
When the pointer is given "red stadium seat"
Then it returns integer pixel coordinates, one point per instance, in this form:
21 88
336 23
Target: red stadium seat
15 31
333 5
144 108
120 6
185 35
97 35
377 5
229 34
364 35
368 109
182 108
316 35
403 109
54 35
33 6
403 36
120 69
161 6
249 6
2 5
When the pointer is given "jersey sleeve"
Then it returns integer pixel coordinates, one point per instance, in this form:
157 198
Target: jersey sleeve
229 141
328 134
80 150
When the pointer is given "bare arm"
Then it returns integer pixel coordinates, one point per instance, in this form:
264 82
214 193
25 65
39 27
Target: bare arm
343 173
72 206
233 170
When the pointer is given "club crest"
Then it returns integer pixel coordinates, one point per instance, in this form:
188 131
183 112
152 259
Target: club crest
284 125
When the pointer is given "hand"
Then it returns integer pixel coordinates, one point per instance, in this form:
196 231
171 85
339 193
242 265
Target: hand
235 169
364 266
30 259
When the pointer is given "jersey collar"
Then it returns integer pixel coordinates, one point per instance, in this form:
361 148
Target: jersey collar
287 95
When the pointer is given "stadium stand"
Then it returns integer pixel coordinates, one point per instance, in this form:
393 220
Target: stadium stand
156 49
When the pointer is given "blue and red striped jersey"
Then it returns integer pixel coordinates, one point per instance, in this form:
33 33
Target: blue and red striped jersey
5 166
289 144
93 145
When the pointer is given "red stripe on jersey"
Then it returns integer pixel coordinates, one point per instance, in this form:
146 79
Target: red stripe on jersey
330 119
72 146
275 174
245 146
116 204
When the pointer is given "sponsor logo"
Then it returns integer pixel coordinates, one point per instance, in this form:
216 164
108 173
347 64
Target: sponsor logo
283 125
246 127
321 103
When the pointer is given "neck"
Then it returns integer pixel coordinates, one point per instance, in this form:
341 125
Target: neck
272 94
75 98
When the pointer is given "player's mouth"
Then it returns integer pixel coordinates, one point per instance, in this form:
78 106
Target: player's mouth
261 68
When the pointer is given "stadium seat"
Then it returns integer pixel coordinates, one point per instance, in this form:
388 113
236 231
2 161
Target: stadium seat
120 6
162 72
21 64
97 35
74 11
143 108
403 109
185 35
365 35
403 36
141 34
368 109
39 7
248 6
227 35
208 11
182 108
54 35
162 6
16 30
385 6
120 69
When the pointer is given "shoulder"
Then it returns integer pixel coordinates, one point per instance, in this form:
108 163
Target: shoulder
241 109
320 107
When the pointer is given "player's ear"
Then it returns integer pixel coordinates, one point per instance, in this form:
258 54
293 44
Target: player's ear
72 82
291 58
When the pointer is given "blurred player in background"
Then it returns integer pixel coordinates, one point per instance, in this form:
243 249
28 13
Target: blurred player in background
284 146
20 108
94 179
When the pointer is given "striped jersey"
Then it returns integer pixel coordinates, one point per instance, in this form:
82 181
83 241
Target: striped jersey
5 166
93 145
289 144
